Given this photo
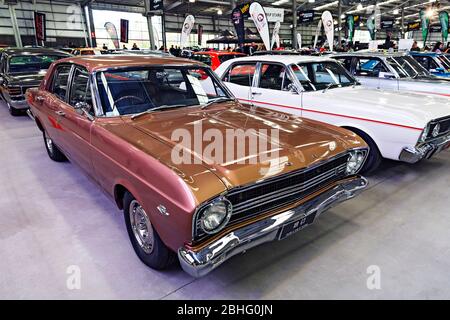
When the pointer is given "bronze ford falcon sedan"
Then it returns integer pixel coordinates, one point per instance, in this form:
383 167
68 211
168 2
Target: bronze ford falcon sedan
142 127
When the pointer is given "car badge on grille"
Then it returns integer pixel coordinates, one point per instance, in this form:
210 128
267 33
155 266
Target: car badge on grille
289 164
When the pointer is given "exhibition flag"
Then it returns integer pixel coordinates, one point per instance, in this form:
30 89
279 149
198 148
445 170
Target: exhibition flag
112 32
260 20
299 40
276 35
328 25
186 30
443 18
237 18
350 27
425 23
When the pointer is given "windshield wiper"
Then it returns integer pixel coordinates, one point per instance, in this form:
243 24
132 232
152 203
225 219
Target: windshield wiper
220 99
331 85
165 106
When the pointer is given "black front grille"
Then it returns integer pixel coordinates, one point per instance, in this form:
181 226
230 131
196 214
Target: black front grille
258 198
444 124
280 191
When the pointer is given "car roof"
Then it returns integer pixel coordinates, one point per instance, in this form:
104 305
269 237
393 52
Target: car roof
370 54
219 53
103 62
33 50
428 54
286 59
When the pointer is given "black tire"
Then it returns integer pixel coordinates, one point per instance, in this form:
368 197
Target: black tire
13 111
52 150
374 158
159 256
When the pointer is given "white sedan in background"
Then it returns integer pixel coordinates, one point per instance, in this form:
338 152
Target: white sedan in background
399 126
393 71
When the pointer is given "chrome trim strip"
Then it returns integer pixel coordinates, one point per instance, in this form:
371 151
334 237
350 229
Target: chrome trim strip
199 263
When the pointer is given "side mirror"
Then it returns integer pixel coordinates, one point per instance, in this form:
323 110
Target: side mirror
292 88
82 108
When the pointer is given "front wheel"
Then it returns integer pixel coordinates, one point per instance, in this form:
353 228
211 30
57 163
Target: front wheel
52 150
145 240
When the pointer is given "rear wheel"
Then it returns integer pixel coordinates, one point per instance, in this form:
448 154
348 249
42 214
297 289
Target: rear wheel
13 111
374 158
52 150
145 240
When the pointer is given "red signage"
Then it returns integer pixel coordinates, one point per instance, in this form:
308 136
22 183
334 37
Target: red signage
39 26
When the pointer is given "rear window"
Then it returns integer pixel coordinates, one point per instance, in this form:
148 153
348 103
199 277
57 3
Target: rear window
31 63
206 59
226 57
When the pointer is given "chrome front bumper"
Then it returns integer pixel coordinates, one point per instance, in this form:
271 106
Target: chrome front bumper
425 151
198 263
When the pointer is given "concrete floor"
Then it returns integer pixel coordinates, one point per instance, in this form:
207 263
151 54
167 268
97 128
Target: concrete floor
53 217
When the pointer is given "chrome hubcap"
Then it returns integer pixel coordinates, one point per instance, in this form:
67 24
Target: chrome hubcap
141 226
49 143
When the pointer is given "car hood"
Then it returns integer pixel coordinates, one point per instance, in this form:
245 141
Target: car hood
405 108
301 143
26 79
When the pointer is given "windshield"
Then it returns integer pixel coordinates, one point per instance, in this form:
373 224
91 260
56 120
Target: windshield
445 62
31 63
206 59
322 75
132 91
407 67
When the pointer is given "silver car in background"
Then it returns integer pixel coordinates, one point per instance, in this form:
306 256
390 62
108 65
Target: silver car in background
392 71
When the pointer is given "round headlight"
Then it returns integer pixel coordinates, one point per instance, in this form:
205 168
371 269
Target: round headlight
355 161
215 216
436 130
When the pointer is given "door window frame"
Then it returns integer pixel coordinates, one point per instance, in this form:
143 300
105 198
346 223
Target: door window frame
91 85
287 71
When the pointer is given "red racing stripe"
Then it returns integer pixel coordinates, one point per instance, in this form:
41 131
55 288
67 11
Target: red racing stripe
336 115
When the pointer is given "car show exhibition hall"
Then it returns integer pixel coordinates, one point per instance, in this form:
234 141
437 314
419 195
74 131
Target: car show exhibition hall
208 149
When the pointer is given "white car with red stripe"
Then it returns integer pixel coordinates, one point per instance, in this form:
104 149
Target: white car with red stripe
396 71
398 126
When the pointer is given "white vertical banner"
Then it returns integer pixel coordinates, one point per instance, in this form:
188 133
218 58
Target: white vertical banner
259 19
276 35
328 25
299 40
319 28
186 30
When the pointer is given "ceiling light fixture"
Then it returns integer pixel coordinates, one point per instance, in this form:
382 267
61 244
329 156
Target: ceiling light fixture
219 12
326 5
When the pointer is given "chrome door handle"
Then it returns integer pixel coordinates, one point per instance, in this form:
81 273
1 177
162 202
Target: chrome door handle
256 93
60 113
40 98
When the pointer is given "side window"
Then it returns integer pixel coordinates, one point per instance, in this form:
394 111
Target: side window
272 76
81 89
423 61
241 74
346 62
60 81
432 64
369 67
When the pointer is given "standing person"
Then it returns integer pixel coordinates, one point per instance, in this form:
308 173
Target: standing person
105 47
415 46
438 47
124 47
135 47
172 50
